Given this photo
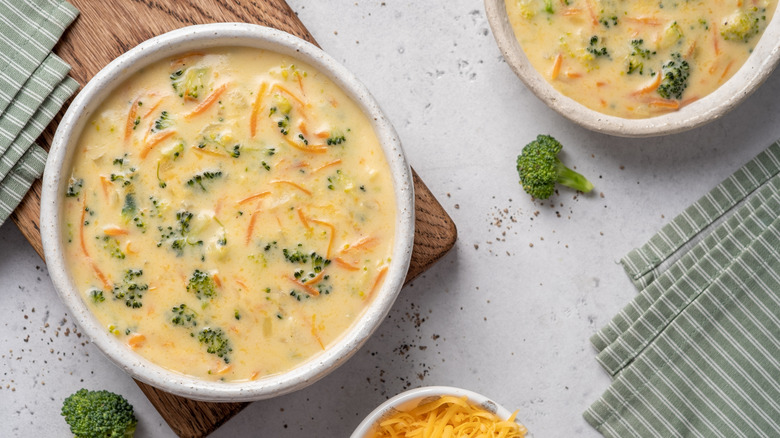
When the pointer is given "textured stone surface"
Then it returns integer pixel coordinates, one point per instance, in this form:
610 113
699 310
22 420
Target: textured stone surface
507 313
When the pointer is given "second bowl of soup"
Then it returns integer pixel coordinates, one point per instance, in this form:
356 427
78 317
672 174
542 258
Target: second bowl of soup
638 68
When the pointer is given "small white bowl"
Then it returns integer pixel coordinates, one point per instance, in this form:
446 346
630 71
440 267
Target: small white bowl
57 173
753 73
414 397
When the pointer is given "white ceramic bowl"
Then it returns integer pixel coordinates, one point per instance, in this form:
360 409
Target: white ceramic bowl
56 177
412 398
753 73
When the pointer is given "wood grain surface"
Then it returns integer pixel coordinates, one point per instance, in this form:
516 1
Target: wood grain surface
107 28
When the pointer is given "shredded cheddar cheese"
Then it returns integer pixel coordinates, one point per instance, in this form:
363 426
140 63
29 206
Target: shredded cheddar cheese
449 416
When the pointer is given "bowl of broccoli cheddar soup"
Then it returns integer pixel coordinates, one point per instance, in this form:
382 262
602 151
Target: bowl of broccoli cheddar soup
227 212
638 68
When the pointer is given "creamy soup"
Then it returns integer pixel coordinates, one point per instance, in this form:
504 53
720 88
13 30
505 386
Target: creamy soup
229 213
638 58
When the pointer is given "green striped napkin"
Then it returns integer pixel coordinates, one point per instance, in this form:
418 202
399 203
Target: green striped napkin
33 87
697 352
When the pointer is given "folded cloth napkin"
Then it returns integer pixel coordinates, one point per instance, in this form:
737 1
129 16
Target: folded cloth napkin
697 352
33 87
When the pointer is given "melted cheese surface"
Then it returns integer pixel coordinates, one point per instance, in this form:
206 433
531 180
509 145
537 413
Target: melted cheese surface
614 56
229 213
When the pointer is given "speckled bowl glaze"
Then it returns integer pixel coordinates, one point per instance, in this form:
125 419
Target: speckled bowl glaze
756 70
412 398
56 177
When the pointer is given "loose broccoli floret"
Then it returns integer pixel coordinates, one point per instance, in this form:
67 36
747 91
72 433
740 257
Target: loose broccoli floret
99 414
741 26
216 342
202 285
129 290
190 82
675 78
540 169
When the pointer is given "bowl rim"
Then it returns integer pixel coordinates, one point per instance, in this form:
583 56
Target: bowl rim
757 68
60 159
423 392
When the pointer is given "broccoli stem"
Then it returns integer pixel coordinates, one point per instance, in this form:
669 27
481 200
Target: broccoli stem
571 178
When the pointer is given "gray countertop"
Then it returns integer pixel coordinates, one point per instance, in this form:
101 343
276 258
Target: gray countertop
507 312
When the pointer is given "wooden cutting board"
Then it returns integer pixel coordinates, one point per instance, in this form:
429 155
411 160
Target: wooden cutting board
107 28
